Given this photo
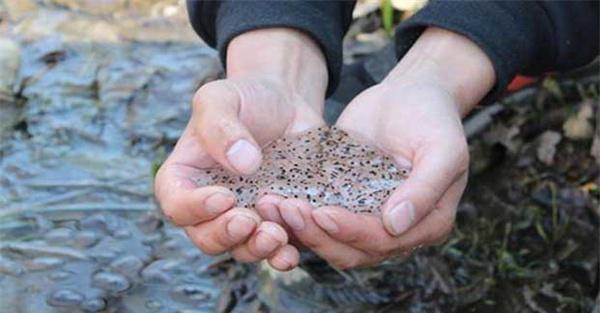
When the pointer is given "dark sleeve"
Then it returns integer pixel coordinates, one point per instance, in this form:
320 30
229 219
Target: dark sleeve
218 22
520 37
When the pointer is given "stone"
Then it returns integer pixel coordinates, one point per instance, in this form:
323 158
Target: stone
111 282
64 298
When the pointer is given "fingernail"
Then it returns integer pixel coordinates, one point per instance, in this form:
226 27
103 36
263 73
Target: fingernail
287 263
244 157
292 217
325 220
402 217
218 202
266 239
270 212
240 226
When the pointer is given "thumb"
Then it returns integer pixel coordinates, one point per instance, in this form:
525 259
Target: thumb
215 119
429 180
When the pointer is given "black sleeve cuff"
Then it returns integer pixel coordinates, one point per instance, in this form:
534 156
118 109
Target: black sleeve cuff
324 21
507 31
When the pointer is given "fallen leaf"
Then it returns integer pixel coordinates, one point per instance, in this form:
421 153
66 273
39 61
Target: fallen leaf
506 136
595 152
547 146
589 187
579 125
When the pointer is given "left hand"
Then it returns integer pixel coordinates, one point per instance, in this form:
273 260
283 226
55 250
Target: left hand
420 127
414 115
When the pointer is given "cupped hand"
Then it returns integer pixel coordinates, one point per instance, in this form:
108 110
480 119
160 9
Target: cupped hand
261 100
420 127
414 115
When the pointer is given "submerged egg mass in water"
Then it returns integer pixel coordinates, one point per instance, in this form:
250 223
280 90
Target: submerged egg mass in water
323 166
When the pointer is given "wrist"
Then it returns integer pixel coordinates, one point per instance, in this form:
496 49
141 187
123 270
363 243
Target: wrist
282 55
449 61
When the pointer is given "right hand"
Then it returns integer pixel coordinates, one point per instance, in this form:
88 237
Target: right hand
275 87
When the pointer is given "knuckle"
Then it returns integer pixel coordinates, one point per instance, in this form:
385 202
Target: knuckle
354 238
171 208
446 220
404 246
168 204
462 156
169 213
212 94
444 233
441 239
428 238
158 182
380 248
205 244
225 127
344 264
161 193
311 244
463 164
243 257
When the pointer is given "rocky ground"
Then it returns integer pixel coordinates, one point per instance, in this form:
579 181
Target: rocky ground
92 97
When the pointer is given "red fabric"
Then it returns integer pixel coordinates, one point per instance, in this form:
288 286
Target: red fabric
520 82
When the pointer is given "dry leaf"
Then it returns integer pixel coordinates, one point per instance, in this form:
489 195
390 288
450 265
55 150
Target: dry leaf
547 146
579 126
506 136
595 152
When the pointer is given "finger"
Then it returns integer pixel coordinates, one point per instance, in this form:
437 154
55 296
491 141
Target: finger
363 232
285 258
297 214
436 227
183 202
367 232
433 173
224 232
179 197
216 107
267 207
263 243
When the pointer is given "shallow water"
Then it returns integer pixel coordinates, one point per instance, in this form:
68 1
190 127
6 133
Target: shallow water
79 230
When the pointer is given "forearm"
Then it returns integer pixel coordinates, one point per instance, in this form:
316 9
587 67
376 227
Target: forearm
519 37
325 22
283 55
449 61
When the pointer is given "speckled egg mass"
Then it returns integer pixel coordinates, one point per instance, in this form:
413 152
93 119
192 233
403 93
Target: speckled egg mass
323 166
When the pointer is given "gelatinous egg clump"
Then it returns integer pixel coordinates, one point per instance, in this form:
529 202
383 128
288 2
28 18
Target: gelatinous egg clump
324 166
